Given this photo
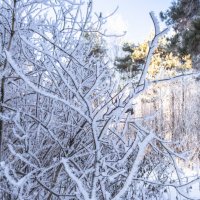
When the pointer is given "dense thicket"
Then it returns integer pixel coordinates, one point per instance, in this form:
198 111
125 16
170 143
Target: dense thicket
67 131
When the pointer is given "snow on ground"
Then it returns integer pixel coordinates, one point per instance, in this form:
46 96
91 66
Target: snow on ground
191 190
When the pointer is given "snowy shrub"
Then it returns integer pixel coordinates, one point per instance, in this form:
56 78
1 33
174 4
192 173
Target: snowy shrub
66 130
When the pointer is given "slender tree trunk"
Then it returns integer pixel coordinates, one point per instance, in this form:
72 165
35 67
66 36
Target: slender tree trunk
155 107
161 111
183 132
173 116
3 78
1 111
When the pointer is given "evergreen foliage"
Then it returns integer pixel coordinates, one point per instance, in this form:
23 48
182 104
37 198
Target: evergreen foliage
184 16
125 63
162 57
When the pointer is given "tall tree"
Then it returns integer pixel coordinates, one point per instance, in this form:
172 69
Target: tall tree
132 63
125 63
184 16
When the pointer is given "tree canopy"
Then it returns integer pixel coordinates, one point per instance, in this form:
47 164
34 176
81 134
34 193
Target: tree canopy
184 16
134 60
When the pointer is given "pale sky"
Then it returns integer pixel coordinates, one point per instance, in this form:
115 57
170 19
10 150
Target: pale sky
132 16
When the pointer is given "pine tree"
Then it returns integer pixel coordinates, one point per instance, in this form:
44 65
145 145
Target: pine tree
162 57
184 16
125 64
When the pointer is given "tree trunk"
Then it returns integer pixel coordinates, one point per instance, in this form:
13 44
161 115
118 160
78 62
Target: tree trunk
1 121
